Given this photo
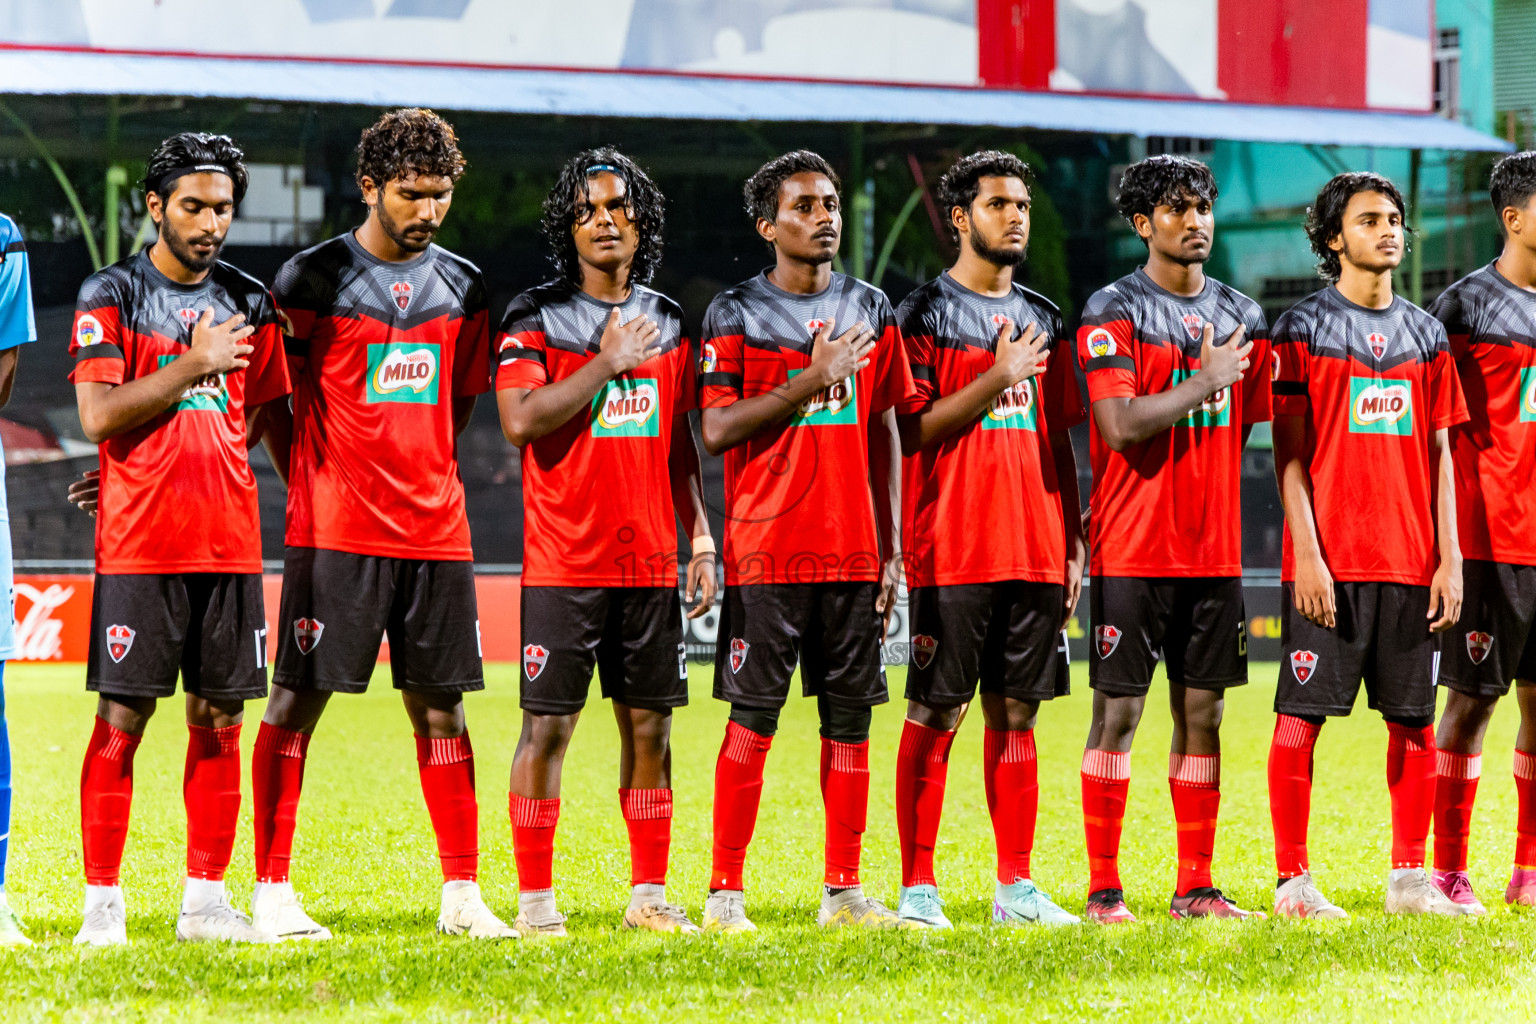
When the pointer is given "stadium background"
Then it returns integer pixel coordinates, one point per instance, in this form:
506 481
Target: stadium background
1275 94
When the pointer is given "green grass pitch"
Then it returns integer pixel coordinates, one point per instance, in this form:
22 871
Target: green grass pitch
365 862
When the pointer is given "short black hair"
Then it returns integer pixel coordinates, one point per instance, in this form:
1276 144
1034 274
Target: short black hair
408 142
761 192
646 206
961 184
1325 217
1512 183
187 151
1162 181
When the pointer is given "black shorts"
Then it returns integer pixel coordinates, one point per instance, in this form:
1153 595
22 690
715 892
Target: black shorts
1007 635
830 629
1497 631
1382 636
209 626
1198 626
633 635
337 607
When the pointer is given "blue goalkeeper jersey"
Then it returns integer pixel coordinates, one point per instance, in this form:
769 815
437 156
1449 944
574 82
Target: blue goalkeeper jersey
17 326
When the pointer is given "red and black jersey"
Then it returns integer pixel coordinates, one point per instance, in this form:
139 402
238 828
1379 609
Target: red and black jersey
995 478
177 493
1373 385
378 352
597 493
797 495
1170 505
1492 328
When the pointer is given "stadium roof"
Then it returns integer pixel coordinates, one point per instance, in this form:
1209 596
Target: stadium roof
698 97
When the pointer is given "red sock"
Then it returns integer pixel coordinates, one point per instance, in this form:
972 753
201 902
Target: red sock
1010 772
277 777
106 796
533 841
1290 791
845 795
1525 821
211 790
1194 780
447 767
648 816
1411 782
1106 782
1455 789
738 788
922 763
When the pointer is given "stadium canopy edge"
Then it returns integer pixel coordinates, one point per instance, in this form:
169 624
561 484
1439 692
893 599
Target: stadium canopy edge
690 97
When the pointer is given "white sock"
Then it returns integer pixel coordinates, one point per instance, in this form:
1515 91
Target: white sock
538 904
1398 874
459 883
262 888
102 895
851 892
200 892
647 892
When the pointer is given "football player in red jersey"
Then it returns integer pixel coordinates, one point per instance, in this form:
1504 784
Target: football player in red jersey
594 381
988 454
1365 396
178 361
800 372
1490 316
388 344
1177 365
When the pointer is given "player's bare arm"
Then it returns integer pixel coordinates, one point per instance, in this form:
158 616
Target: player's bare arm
1074 523
832 359
1018 358
885 486
1314 595
688 500
8 360
1128 421
529 413
108 410
1445 593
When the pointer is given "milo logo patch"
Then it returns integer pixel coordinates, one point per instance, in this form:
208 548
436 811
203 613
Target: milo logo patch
1012 409
1528 395
833 405
400 371
627 408
209 394
1380 406
1215 411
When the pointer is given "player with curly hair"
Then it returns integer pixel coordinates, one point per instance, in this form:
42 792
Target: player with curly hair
388 344
595 380
1366 395
800 372
178 365
1178 373
1488 315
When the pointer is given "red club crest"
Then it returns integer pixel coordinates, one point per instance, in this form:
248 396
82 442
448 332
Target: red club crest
1303 664
1478 646
1378 343
119 642
815 326
739 649
923 648
401 290
1193 325
306 634
534 659
187 316
1106 638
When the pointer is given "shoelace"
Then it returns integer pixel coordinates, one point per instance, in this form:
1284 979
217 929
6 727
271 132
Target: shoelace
927 904
1461 890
